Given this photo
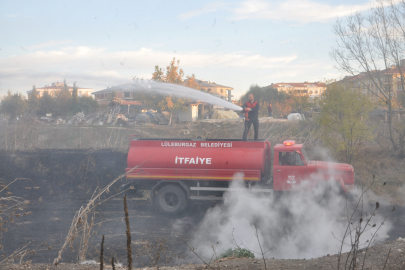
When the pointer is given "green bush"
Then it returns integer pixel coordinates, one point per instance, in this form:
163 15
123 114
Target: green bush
237 253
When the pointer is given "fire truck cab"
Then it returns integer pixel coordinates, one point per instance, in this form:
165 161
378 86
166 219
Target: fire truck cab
178 170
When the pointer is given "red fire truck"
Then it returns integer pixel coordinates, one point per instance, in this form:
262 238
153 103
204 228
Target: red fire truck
178 170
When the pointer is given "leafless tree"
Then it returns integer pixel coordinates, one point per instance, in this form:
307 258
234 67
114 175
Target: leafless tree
370 49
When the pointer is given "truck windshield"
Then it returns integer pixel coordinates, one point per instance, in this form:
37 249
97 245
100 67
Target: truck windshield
305 156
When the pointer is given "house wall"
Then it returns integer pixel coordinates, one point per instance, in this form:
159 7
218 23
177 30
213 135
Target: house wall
302 91
119 94
217 90
190 115
389 81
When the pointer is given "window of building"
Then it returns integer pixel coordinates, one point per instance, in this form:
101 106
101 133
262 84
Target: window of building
80 93
222 91
127 94
316 92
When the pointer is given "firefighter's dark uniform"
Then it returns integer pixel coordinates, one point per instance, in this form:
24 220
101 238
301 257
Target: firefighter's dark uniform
251 117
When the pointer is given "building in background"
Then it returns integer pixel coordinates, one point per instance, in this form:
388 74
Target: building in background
313 90
370 83
57 87
196 109
218 90
204 110
105 96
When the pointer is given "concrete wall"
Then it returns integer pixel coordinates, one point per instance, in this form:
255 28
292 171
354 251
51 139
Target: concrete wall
189 115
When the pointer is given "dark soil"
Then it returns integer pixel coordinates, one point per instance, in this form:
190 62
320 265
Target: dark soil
390 255
60 173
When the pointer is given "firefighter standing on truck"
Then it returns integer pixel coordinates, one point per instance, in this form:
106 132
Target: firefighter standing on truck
251 110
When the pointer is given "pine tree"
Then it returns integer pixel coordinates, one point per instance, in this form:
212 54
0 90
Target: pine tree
33 101
13 104
75 93
62 100
47 104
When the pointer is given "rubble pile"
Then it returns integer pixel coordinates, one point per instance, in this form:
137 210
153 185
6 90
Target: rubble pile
109 116
153 117
220 114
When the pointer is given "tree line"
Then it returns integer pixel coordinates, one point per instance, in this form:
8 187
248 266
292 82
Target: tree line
282 103
61 103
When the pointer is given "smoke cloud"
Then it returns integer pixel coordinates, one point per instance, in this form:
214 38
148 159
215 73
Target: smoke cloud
304 225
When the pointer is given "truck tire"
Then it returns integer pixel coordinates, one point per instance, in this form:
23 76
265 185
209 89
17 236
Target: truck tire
329 190
171 199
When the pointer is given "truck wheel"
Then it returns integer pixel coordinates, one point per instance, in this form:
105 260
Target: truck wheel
328 190
171 199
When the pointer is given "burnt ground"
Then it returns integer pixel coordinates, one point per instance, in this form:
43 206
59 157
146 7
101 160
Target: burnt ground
61 181
386 256
47 226
57 183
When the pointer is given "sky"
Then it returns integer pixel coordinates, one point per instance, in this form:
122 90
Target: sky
104 43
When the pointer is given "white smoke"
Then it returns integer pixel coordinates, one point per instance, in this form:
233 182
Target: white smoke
304 225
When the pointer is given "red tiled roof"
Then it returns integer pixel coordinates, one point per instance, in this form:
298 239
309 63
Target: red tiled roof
205 84
305 84
376 72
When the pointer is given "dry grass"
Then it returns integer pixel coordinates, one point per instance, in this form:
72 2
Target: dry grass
81 223
11 207
128 234
98 137
388 170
